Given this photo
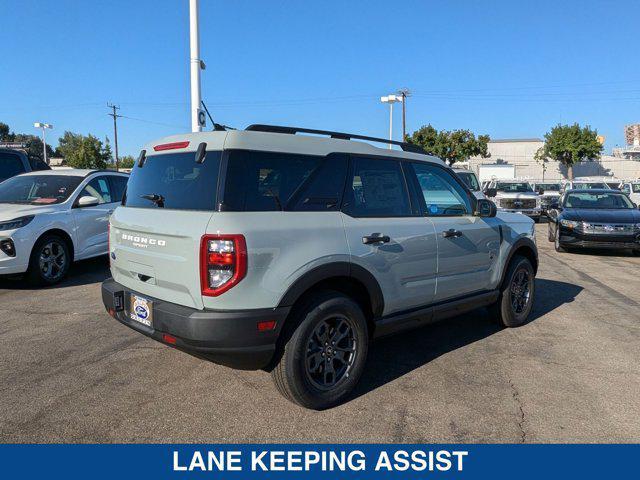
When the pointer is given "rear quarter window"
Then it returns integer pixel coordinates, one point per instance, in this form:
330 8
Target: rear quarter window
269 181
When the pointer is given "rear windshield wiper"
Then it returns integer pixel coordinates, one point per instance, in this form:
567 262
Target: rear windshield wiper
155 198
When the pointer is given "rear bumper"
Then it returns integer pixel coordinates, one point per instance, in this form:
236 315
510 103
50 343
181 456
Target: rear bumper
229 338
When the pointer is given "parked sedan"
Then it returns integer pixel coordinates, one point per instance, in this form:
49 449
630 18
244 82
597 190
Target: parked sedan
595 219
50 218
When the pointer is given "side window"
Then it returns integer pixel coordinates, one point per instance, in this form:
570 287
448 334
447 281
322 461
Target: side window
322 190
99 188
10 165
376 188
266 181
118 186
443 195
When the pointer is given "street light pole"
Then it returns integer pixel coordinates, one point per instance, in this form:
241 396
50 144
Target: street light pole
391 99
44 127
194 42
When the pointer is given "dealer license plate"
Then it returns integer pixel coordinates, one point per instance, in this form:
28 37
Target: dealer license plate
141 310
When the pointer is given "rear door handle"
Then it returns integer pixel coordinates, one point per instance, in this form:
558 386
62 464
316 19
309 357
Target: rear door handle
451 233
370 239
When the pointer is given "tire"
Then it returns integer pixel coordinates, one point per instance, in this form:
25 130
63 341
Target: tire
303 377
507 311
556 241
636 253
56 258
552 236
536 219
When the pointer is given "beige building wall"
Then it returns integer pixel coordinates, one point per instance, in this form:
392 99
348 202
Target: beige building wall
521 154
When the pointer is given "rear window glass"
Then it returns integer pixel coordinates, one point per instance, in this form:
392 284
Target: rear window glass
174 181
267 181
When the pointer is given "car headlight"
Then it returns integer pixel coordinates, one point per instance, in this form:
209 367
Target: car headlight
570 223
16 223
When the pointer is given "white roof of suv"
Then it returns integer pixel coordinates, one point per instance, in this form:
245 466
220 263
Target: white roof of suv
281 142
72 172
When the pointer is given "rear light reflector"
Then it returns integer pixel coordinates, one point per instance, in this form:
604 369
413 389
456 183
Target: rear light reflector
266 325
170 339
170 146
223 263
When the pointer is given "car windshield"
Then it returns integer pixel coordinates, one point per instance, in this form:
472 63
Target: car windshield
635 187
513 187
469 180
549 187
38 189
598 201
590 186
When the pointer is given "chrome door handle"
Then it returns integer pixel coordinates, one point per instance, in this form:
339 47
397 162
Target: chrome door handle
370 239
451 233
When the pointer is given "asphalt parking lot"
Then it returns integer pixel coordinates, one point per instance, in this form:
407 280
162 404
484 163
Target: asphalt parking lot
70 373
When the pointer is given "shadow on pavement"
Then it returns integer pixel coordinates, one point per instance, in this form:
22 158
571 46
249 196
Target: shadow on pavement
393 357
84 272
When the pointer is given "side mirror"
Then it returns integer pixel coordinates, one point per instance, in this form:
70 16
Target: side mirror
490 192
88 201
486 208
540 191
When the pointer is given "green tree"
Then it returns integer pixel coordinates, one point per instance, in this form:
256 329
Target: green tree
80 151
33 143
127 161
5 133
451 146
569 144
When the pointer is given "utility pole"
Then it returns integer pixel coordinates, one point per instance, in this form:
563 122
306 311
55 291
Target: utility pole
404 93
115 127
391 99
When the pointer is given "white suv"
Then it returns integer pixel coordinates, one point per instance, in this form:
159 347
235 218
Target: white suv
266 249
50 218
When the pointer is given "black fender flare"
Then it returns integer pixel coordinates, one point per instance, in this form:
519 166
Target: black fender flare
521 242
336 269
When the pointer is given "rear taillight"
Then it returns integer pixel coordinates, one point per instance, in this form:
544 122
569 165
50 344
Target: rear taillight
223 263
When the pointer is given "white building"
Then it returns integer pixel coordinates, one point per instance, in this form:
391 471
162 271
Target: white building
521 154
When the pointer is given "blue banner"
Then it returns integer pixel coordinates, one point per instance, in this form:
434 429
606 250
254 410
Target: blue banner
319 461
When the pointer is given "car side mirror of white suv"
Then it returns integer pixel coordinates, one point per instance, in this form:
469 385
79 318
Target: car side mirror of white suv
490 192
88 201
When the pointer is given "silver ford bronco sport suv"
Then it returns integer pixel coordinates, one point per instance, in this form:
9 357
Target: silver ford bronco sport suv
268 249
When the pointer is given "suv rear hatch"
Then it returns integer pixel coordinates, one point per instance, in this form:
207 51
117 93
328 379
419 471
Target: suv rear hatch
155 236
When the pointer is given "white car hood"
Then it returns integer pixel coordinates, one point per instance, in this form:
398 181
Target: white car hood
10 211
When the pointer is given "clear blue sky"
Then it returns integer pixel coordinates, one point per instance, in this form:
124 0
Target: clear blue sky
506 68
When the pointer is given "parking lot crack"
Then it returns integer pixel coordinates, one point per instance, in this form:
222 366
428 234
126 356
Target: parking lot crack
515 393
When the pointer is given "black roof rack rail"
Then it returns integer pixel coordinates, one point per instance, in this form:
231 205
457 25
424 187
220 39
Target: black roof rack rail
407 147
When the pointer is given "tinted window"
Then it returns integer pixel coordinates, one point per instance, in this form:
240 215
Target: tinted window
10 165
598 201
37 164
376 188
38 189
442 194
470 180
266 181
635 187
98 188
520 187
174 181
118 186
